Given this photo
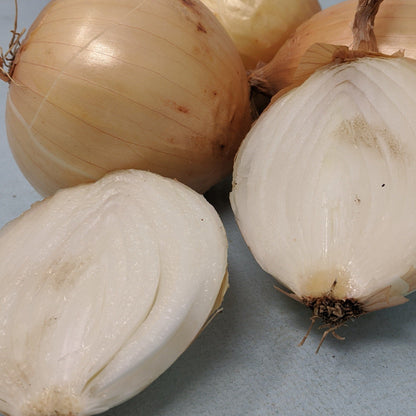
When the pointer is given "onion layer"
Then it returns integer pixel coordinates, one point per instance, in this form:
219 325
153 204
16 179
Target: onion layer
103 286
103 85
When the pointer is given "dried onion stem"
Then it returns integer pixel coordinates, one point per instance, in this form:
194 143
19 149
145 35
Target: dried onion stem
7 58
363 26
394 30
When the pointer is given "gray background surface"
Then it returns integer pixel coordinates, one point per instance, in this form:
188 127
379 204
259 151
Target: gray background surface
247 361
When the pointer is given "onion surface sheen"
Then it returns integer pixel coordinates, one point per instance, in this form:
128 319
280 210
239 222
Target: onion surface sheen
103 286
324 187
102 85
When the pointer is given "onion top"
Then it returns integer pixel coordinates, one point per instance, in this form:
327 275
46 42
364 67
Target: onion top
394 29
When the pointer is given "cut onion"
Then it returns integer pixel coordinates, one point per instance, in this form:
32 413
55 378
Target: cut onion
103 286
324 188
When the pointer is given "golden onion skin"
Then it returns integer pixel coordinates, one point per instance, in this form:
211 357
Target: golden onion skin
260 27
102 85
394 29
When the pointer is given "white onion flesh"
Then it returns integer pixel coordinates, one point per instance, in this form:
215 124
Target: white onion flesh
324 185
105 85
103 286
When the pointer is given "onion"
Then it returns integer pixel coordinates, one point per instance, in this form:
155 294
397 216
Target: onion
260 27
103 286
324 186
395 29
103 85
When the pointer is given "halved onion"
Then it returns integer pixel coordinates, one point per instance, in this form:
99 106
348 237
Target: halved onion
324 188
103 286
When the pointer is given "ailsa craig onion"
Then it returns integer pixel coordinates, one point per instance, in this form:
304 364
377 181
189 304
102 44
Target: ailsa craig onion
395 30
103 85
260 27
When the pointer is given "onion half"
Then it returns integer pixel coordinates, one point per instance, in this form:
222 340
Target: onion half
103 286
104 85
324 188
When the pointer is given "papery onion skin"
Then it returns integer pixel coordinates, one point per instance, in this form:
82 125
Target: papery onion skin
324 187
260 27
105 85
103 286
395 29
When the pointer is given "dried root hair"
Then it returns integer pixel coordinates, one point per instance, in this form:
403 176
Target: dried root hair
7 58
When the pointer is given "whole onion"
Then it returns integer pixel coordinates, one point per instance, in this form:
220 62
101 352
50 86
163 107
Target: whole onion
260 27
102 85
395 29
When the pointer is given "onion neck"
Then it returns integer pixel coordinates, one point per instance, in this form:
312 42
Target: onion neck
363 26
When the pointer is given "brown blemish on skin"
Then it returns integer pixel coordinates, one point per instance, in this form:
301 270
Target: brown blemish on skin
188 3
171 140
178 107
182 109
192 5
200 28
222 150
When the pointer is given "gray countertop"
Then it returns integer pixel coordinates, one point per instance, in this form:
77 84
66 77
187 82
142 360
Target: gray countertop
247 361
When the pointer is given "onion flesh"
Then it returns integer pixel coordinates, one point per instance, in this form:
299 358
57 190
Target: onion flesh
103 286
105 85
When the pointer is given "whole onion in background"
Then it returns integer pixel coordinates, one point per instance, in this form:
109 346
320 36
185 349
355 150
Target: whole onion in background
395 29
260 27
104 85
